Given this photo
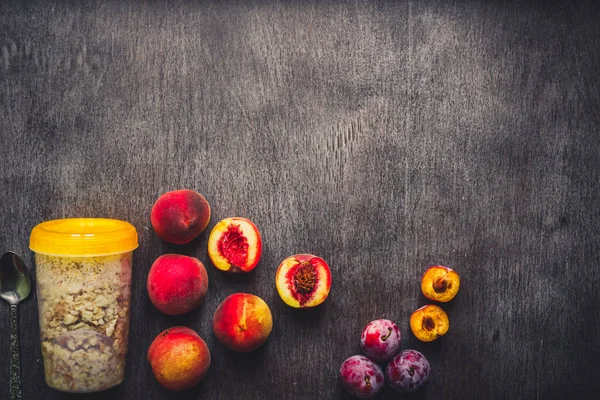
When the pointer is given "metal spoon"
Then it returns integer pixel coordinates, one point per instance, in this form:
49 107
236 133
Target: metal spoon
14 287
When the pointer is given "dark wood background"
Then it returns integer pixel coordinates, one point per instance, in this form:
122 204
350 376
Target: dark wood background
384 137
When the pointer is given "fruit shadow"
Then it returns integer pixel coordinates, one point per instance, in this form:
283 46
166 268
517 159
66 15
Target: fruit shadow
117 392
242 363
423 301
193 393
233 278
189 249
313 314
344 395
387 393
190 318
429 349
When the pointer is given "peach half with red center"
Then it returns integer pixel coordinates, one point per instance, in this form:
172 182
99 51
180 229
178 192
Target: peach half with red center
235 245
179 358
303 280
242 322
440 283
429 323
180 216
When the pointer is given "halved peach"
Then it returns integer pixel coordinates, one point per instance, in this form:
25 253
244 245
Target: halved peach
303 280
235 245
429 322
440 283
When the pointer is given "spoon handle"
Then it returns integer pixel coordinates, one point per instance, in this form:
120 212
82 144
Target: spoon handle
15 361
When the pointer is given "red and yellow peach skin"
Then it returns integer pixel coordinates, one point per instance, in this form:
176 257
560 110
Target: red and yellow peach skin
179 358
180 216
242 322
176 283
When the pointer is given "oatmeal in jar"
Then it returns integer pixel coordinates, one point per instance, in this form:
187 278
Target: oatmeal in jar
88 296
83 305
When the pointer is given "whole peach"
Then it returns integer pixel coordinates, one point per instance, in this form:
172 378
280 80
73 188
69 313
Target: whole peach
180 216
177 283
179 358
243 322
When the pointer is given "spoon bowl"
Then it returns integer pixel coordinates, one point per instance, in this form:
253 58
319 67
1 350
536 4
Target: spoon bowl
15 286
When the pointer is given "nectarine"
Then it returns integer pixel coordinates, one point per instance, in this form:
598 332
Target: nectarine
180 216
176 283
179 358
242 322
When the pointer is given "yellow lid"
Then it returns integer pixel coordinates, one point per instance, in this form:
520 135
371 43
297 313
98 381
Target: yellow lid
83 237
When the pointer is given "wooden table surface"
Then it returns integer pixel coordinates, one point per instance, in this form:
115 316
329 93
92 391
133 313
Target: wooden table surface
384 137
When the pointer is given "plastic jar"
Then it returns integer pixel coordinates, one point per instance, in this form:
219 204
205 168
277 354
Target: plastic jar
83 274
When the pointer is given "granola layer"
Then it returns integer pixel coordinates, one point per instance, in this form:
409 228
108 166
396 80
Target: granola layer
84 319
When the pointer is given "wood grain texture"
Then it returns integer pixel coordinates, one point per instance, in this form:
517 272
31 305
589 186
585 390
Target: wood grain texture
383 136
